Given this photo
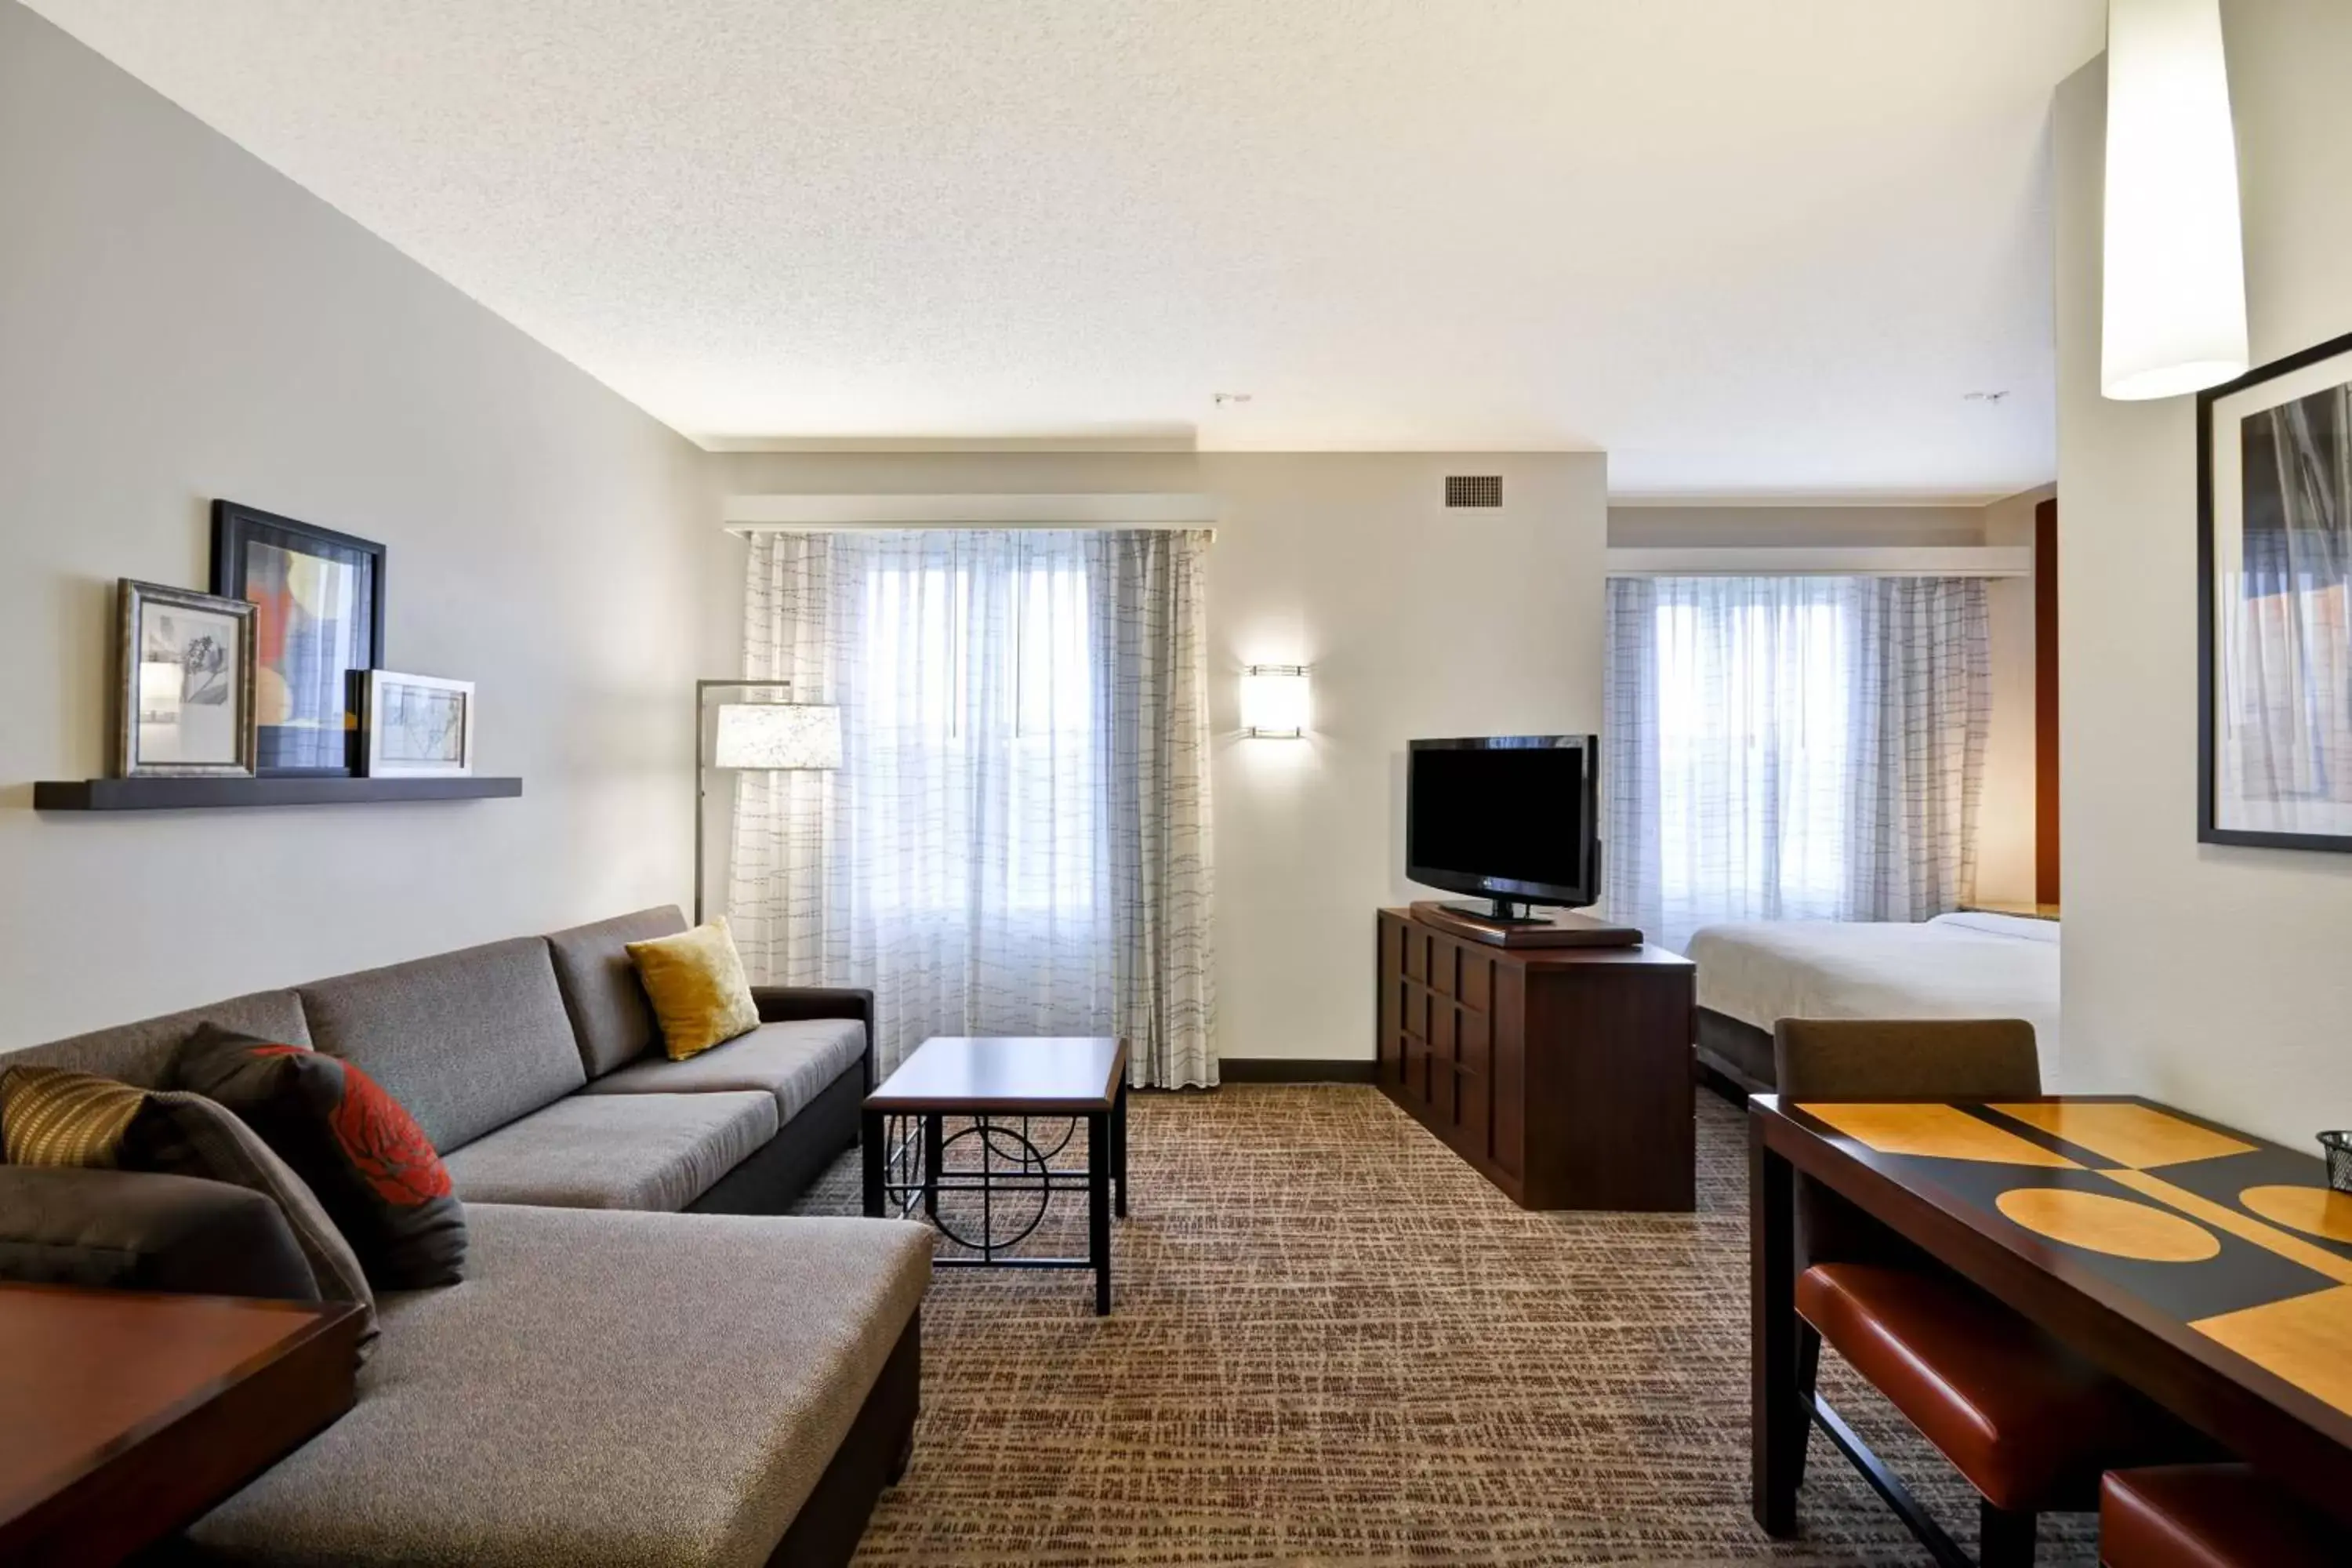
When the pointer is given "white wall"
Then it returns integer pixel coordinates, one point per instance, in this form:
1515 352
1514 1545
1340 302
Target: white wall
2214 978
178 323
1415 622
1662 527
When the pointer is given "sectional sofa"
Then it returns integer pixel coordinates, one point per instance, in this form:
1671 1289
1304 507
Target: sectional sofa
642 1365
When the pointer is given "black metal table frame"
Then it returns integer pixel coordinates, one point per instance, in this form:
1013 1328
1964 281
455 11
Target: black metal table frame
905 1174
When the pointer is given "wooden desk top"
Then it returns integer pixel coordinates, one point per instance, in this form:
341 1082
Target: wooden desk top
90 1378
2231 1249
1044 1076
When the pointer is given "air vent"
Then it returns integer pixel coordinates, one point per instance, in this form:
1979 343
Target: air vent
1474 489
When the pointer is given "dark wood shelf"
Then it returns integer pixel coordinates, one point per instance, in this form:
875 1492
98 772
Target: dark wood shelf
190 795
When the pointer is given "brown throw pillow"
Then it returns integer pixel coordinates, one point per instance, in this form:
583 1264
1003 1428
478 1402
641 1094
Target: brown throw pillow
695 981
359 1148
60 1113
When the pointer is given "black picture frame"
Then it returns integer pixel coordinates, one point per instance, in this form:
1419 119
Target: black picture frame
312 748
2210 828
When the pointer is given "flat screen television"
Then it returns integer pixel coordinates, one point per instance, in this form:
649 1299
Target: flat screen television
1511 818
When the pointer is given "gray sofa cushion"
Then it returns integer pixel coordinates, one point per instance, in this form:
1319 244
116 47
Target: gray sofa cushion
656 1152
634 1391
142 1053
793 1061
611 1018
137 1230
467 1041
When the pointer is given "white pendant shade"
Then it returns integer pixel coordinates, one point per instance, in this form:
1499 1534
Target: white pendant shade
2175 286
777 735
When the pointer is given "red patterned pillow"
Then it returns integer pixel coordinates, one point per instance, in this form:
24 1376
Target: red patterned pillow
375 1171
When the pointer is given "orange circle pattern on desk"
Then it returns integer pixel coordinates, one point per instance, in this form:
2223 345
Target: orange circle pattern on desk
2314 1211
2119 1227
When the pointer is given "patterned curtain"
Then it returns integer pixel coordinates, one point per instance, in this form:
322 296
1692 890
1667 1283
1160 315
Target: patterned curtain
1792 748
1017 842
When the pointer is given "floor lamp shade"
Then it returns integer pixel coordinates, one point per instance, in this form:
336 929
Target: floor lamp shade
2174 294
777 735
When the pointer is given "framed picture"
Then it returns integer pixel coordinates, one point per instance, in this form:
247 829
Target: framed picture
2274 604
184 683
414 726
318 597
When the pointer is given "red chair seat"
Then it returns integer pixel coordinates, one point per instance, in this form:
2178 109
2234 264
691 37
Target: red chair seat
2210 1516
2030 1426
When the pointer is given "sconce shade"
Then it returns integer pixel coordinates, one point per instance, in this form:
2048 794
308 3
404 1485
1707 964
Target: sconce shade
777 735
2174 290
1274 699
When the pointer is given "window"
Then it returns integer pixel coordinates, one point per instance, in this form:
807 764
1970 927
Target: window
979 699
1792 748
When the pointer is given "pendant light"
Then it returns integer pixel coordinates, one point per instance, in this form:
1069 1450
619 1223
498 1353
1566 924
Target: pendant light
2175 286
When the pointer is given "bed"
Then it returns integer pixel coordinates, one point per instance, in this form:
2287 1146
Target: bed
1751 973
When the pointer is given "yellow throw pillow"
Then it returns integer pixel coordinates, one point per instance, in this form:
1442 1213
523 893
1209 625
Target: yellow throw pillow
49 1116
696 983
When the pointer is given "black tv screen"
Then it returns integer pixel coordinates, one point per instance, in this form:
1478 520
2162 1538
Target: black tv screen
1509 816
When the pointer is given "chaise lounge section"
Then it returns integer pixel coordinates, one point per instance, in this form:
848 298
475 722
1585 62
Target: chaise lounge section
643 1365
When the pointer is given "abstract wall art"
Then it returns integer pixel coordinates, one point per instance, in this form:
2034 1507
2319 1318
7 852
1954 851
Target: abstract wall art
2274 615
318 598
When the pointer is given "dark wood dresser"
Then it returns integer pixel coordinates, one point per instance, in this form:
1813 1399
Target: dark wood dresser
1562 1074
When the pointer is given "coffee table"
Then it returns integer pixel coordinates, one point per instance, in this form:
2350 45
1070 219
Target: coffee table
1000 1083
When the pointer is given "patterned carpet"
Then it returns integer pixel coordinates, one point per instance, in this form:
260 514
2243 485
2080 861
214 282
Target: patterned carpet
1335 1344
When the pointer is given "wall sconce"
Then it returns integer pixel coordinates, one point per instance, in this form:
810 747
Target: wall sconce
2173 297
1274 700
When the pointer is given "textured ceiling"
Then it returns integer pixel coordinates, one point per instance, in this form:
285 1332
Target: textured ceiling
1746 246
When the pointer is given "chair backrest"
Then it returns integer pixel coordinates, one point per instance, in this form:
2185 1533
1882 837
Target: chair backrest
1890 1059
1905 1058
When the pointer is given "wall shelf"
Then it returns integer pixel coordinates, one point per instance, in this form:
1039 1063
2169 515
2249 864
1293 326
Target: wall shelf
188 794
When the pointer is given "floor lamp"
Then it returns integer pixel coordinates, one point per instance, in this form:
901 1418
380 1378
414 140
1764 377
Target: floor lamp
758 737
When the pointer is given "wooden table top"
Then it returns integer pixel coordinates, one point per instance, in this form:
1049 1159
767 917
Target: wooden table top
1046 1075
87 1376
2232 1249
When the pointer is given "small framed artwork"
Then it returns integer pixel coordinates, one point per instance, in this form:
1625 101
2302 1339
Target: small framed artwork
2274 604
414 726
318 597
184 683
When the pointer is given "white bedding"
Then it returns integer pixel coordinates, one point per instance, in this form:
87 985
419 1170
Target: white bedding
1953 966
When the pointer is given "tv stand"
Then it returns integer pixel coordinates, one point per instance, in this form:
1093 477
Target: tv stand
1499 912
1507 929
1562 1075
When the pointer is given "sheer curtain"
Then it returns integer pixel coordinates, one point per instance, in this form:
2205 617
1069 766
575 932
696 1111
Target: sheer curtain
1792 748
1017 842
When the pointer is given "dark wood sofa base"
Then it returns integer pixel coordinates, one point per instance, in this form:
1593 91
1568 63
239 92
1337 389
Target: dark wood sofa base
773 1178
873 1457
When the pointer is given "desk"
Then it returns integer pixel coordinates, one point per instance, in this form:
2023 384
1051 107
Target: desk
2209 1269
125 1416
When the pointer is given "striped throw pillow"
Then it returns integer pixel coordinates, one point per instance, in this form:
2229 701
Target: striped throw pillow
49 1116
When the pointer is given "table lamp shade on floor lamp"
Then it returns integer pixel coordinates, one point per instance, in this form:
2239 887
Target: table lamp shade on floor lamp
763 737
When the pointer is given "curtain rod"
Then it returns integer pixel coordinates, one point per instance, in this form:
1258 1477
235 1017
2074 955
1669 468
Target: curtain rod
749 514
1822 561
